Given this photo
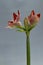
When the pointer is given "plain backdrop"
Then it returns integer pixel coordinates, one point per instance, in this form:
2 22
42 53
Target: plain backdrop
12 43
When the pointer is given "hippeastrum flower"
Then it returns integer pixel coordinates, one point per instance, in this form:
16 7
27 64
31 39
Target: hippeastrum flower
15 21
31 21
33 18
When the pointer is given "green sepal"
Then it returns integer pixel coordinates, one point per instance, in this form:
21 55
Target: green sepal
31 27
21 27
20 30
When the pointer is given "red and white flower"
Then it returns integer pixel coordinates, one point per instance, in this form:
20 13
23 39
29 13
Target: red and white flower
15 21
33 18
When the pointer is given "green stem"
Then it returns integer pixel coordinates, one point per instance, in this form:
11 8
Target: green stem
28 48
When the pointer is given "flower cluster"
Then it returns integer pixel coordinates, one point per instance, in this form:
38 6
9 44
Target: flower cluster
29 21
15 21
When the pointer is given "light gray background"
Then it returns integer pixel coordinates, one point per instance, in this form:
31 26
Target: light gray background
12 43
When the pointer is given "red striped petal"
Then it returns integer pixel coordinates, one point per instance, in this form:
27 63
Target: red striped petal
14 16
18 12
10 23
38 15
33 12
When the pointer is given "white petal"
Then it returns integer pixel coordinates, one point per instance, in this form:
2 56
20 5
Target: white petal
19 22
8 27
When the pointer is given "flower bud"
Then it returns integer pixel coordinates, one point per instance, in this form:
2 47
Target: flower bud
26 23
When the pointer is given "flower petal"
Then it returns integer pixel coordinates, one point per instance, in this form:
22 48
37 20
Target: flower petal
14 16
18 12
32 12
18 23
18 17
10 23
38 15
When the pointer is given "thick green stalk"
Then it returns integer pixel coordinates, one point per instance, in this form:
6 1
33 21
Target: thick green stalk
28 48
